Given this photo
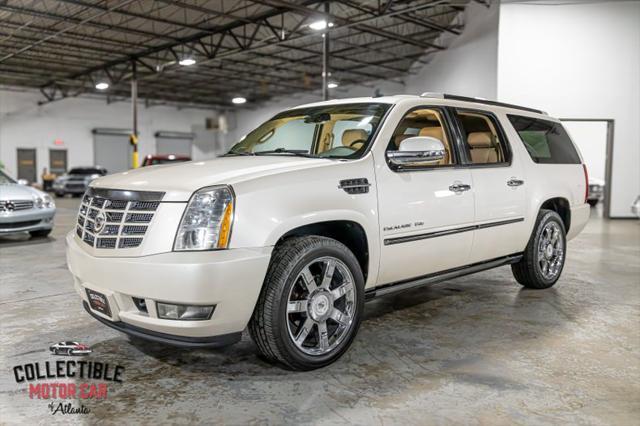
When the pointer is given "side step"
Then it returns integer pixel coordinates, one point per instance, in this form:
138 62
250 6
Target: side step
440 276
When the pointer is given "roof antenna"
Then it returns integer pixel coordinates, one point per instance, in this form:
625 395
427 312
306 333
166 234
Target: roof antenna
377 94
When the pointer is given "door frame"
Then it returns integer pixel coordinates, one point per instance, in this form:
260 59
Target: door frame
35 163
608 165
66 158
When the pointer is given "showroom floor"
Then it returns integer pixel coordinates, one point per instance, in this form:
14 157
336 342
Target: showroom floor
475 350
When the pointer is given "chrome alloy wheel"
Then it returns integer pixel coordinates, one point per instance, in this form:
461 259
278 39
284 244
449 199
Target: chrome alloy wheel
550 251
321 306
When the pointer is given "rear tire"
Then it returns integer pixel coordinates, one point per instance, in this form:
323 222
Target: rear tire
41 233
311 303
545 254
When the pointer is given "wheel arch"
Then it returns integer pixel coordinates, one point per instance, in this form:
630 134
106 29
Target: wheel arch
348 232
561 206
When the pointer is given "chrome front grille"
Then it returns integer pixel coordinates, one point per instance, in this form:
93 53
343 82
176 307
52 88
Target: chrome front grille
15 205
108 222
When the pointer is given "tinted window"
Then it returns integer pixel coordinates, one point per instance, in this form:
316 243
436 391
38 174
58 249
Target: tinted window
484 142
547 142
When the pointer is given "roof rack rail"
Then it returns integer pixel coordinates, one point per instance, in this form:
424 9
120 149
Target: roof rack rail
432 95
488 102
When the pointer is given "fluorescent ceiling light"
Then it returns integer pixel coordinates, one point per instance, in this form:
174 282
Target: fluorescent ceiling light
332 85
320 25
102 85
239 100
187 62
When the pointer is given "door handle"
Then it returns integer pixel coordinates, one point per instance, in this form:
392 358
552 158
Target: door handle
459 187
515 182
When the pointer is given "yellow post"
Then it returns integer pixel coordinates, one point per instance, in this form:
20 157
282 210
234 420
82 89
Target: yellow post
133 139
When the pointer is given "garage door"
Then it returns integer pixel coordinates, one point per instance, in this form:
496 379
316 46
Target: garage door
112 150
174 143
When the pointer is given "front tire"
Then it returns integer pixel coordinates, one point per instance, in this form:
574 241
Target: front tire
311 303
592 203
545 254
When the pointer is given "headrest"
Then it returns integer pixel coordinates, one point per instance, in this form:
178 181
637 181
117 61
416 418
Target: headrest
434 132
399 138
480 140
352 135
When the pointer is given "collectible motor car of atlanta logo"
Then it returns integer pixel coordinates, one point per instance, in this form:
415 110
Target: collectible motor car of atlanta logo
67 384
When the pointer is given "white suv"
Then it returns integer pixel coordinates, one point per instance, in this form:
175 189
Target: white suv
320 208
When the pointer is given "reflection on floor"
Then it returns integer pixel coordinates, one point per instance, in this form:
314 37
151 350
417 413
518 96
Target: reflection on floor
478 349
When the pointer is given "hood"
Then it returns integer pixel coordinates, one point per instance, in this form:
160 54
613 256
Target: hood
180 180
13 191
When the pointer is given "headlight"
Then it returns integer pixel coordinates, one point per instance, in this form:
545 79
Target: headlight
206 223
44 202
47 202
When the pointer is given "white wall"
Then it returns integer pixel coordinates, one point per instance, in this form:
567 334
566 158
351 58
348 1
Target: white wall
579 61
469 65
24 124
591 138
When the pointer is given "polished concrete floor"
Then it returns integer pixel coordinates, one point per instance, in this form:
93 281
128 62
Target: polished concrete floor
475 350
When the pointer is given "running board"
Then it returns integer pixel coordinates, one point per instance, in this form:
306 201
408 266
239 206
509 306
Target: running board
440 276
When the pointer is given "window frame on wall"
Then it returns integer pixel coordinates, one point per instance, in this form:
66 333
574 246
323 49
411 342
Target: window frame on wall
449 131
463 145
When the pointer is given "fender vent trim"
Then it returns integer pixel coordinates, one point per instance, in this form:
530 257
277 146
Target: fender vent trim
355 186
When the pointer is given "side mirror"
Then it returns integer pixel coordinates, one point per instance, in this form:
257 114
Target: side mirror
23 182
417 151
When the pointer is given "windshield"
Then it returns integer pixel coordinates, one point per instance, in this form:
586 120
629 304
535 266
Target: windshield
4 179
331 131
85 171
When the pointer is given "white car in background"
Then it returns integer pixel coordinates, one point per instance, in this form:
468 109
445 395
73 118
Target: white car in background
24 209
321 207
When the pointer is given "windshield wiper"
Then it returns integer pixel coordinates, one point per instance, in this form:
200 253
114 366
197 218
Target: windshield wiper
231 154
296 152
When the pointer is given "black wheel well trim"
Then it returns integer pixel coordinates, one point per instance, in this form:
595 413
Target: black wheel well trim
561 206
347 232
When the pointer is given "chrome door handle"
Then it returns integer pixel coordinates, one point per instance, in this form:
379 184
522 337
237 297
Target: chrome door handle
459 187
515 182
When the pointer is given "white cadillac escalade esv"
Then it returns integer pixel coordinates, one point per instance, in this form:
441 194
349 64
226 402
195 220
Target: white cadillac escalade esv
321 207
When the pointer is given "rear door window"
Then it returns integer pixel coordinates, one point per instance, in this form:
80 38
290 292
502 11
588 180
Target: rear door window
547 142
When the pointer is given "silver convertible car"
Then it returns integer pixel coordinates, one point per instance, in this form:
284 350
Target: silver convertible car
24 209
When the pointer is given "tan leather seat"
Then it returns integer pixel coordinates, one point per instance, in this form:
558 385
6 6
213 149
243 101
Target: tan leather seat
354 135
483 150
436 132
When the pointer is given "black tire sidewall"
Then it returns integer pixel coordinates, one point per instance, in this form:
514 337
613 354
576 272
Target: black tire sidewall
288 346
546 217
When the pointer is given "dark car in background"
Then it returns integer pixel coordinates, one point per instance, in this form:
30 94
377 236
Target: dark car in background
596 191
154 160
76 181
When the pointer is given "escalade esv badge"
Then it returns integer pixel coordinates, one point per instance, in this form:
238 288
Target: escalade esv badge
260 238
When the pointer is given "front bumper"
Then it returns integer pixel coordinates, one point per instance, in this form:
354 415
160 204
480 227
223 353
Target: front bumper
229 279
26 220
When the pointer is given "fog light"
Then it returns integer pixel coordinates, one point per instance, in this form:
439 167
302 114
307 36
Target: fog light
184 312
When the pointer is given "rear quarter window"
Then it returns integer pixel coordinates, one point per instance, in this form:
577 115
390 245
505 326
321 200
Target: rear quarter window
547 142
